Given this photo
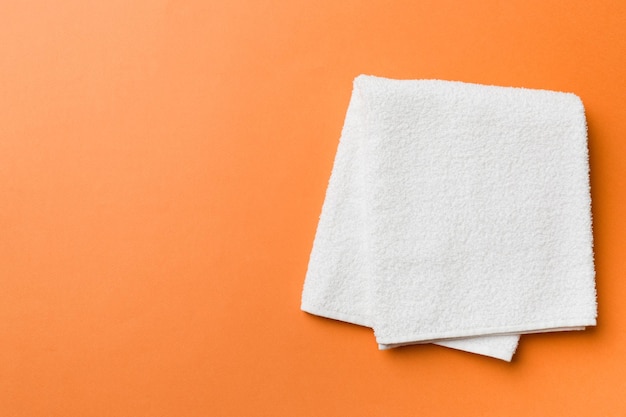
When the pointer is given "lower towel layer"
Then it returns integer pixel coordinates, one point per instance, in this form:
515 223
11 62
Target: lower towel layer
499 347
457 214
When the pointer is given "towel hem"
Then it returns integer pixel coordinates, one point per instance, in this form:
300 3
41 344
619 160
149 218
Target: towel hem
562 325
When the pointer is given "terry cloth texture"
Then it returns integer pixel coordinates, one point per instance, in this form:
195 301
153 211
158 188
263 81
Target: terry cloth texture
457 214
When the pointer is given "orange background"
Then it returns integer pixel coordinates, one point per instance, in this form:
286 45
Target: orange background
162 168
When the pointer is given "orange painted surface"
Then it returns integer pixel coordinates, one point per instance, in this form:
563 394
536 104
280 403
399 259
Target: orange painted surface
162 168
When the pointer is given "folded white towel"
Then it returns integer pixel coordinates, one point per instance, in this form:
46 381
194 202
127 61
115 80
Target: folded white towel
457 214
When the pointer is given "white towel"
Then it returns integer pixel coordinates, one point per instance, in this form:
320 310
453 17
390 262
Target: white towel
457 214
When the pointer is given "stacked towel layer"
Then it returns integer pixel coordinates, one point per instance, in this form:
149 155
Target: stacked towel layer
457 214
